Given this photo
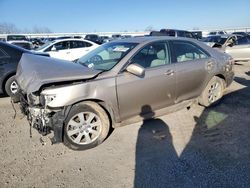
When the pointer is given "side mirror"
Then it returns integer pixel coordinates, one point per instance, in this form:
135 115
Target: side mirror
136 70
53 48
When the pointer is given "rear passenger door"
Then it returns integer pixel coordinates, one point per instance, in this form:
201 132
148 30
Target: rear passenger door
193 66
79 48
60 50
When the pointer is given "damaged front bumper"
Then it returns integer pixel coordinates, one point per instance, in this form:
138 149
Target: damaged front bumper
42 118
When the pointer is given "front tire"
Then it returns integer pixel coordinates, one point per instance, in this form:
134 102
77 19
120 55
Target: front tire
86 126
11 86
213 92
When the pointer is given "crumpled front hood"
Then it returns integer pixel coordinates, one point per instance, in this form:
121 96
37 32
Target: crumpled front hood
34 71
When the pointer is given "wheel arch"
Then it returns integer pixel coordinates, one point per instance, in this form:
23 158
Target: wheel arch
221 76
5 80
107 108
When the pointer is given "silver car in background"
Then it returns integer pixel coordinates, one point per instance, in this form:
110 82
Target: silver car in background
240 50
119 83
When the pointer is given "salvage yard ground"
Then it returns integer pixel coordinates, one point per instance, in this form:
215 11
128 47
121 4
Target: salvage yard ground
190 148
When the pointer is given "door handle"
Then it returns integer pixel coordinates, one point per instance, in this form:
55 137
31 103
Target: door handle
67 52
169 72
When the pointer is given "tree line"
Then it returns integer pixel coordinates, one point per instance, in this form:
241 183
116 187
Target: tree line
9 28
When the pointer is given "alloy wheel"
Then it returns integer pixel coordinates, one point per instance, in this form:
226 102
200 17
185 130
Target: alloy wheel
84 128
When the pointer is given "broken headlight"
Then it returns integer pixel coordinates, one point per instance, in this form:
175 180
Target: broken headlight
46 99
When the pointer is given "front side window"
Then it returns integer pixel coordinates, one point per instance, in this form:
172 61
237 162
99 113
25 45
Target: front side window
153 55
106 56
186 51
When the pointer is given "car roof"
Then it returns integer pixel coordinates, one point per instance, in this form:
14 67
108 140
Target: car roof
174 30
222 36
146 39
70 39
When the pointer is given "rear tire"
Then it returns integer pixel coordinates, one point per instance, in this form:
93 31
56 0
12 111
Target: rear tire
213 92
11 86
86 126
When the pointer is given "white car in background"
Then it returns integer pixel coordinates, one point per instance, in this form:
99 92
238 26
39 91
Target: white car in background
19 40
68 49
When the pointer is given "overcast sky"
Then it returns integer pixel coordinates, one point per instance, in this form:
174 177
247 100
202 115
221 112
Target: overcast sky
130 15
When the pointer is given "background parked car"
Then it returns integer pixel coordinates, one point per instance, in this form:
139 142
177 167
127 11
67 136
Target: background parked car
220 41
94 38
19 40
217 33
240 49
240 33
36 42
9 58
104 39
172 33
68 49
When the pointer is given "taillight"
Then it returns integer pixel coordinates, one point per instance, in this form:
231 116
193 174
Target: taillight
231 61
229 65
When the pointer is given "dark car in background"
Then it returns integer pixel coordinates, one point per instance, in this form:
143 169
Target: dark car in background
173 33
240 33
94 38
9 58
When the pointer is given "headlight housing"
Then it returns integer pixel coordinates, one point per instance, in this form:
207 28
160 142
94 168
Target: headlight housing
46 99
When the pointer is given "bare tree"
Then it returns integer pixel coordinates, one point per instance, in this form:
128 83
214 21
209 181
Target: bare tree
149 28
40 29
7 28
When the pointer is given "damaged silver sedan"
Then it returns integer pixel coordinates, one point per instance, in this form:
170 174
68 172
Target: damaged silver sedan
119 83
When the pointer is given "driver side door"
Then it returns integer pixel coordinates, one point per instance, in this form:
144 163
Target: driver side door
153 91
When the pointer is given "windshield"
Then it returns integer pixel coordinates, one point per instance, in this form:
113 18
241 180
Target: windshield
216 39
16 37
106 56
44 46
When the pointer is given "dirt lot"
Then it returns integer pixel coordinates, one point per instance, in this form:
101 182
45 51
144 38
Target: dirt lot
190 148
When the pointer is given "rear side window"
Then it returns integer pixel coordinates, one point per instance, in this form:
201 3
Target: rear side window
188 35
80 44
168 32
186 51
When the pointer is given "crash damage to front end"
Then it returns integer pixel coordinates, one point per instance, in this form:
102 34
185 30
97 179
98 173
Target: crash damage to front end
41 117
41 80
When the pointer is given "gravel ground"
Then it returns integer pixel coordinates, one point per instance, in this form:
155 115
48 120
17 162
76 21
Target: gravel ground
190 148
